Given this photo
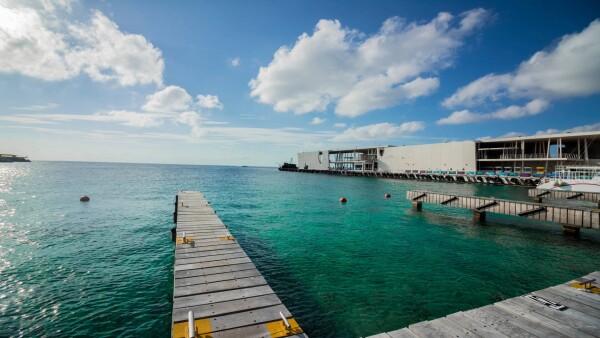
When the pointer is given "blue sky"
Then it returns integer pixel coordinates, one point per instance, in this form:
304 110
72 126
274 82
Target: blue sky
254 82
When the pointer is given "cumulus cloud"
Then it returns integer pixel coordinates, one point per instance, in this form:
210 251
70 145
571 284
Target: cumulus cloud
317 120
172 103
357 73
209 102
339 125
533 107
168 100
380 131
593 127
54 49
569 69
234 62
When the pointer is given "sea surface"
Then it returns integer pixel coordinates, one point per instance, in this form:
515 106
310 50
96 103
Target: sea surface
104 268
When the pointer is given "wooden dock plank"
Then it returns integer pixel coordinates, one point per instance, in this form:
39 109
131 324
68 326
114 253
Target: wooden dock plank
521 317
475 326
427 330
228 307
231 284
402 333
214 278
564 328
500 324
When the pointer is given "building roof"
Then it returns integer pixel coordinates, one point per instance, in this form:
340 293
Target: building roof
567 135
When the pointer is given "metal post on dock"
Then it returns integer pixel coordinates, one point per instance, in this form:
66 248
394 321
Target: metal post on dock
417 205
191 328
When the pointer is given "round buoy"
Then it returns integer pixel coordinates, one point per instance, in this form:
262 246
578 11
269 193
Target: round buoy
343 200
388 195
84 198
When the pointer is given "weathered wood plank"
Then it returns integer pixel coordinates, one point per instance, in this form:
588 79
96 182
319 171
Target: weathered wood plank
223 308
232 284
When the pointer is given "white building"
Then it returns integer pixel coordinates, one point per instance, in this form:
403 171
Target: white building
528 154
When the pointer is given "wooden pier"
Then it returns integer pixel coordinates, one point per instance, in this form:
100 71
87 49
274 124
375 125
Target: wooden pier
539 194
572 219
567 310
216 284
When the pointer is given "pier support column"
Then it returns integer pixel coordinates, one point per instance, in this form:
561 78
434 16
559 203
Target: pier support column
568 230
538 199
478 216
417 205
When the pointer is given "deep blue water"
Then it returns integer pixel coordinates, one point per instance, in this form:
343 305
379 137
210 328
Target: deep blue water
104 268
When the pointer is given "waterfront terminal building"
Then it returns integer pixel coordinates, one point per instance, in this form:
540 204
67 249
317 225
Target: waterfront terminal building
523 156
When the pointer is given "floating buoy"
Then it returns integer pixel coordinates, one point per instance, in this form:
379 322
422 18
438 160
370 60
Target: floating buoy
84 198
388 195
343 200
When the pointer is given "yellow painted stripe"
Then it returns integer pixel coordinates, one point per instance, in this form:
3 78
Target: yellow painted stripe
188 240
202 327
227 238
593 289
277 328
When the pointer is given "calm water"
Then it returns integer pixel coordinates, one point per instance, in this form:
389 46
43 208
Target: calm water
105 267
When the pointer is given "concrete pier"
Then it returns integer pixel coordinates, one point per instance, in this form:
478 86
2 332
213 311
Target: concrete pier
216 284
570 309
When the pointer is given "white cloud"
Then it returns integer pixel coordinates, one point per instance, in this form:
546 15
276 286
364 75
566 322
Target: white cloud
235 61
339 125
317 120
380 131
171 99
570 69
105 53
339 66
533 107
132 119
578 129
209 102
37 107
192 119
55 49
172 103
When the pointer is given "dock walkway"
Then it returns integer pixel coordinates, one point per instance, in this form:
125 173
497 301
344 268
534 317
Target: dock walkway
571 218
215 279
565 310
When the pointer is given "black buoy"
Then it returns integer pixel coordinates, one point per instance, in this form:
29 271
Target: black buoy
388 195
343 200
84 198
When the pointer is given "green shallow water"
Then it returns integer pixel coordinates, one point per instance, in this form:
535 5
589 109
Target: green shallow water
104 268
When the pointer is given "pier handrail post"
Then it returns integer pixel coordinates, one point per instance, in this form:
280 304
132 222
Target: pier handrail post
191 328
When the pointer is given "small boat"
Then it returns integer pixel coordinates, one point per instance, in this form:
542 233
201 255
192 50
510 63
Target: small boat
288 166
573 178
7 158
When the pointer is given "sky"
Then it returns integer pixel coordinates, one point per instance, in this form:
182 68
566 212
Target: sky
255 82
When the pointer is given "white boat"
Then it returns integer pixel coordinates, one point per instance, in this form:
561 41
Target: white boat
573 178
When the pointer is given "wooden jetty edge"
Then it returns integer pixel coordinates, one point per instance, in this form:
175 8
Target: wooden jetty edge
216 284
572 219
539 194
567 310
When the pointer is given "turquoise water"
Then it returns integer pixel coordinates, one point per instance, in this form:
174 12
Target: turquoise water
104 268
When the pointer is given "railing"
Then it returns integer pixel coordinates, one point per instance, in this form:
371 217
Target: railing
529 156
